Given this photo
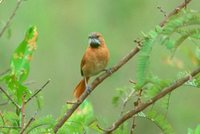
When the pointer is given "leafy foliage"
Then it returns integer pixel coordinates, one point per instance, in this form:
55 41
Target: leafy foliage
121 93
42 125
14 80
158 119
184 25
20 65
196 131
79 121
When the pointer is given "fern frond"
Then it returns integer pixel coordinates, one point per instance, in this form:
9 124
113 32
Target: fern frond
144 58
159 120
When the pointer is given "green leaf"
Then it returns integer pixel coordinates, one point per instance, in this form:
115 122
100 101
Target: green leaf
20 65
11 118
196 131
41 125
119 93
20 62
79 121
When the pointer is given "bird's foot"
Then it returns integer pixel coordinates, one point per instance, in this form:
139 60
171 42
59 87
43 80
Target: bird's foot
109 70
88 89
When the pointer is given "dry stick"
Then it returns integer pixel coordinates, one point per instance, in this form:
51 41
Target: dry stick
125 101
175 11
136 104
28 124
143 106
9 97
102 77
37 92
2 118
11 17
23 113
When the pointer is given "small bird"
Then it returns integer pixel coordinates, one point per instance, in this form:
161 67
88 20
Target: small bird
94 61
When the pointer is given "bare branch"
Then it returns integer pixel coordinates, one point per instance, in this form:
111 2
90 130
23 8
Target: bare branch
143 106
126 101
2 117
175 11
136 104
9 97
37 92
28 124
162 11
11 17
22 114
105 75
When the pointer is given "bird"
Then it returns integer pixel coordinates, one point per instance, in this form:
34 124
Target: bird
94 61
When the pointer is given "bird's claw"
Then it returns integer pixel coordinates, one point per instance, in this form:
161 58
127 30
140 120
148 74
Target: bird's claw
88 89
109 70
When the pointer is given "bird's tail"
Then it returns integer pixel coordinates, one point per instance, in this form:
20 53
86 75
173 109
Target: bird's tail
80 88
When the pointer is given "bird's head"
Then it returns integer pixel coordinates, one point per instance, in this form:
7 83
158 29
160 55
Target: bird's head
95 39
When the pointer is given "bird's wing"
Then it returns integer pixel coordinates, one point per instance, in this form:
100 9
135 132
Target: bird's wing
83 61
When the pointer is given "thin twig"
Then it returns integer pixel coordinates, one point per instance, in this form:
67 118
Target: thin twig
162 11
133 125
175 11
136 104
11 17
2 117
9 97
22 113
37 92
28 124
10 127
126 101
105 75
151 101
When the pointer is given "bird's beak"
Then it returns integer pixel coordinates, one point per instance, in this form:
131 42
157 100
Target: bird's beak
94 42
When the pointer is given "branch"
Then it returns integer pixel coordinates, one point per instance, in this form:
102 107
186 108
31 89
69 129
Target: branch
105 75
175 11
143 106
28 124
9 97
136 104
11 17
37 92
2 118
22 113
125 101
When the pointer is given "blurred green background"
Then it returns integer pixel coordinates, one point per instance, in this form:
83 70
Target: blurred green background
63 27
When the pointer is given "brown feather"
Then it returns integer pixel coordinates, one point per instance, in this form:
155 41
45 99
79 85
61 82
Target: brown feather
80 88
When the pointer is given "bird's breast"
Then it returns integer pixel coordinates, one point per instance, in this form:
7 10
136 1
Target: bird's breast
96 60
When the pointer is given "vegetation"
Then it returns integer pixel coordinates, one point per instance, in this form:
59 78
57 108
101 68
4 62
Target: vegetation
181 26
